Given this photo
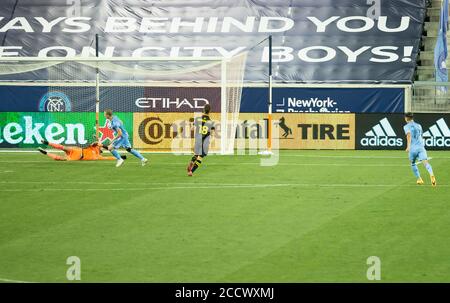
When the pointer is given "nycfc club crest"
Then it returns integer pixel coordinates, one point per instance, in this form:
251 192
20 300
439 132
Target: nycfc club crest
55 102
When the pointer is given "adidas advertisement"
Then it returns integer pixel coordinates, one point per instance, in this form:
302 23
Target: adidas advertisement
378 131
436 131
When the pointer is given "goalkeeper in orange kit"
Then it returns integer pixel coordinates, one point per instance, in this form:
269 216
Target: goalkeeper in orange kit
73 153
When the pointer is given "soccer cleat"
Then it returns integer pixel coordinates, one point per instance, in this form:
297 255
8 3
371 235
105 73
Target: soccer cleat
433 181
43 141
124 157
144 161
419 181
189 173
119 162
42 150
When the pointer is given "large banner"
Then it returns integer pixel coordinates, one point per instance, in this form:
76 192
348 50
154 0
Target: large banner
119 98
314 40
316 131
174 131
157 131
26 130
374 131
193 99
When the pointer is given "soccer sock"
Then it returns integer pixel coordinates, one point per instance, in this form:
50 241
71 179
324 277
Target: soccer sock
415 170
57 146
136 154
115 154
56 157
429 169
197 163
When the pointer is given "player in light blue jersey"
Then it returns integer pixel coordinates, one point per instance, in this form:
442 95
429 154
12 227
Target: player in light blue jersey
416 148
120 139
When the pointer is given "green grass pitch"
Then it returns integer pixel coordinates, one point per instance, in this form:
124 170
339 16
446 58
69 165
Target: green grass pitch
315 217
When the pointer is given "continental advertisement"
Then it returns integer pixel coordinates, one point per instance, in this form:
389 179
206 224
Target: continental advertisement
316 131
26 130
169 131
295 131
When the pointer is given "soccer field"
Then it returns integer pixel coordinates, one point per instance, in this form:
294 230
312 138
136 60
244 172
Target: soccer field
316 216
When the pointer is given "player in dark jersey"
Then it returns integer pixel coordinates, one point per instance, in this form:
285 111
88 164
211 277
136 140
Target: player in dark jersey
203 128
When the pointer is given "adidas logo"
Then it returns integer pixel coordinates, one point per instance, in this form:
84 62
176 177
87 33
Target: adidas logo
438 135
382 134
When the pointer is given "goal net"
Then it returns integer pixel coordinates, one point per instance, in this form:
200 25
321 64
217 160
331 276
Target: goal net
156 98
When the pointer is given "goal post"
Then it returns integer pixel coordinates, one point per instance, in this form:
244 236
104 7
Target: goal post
97 92
166 87
269 118
268 151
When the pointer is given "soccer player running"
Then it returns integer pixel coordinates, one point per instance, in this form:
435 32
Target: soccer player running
74 153
203 128
416 148
120 139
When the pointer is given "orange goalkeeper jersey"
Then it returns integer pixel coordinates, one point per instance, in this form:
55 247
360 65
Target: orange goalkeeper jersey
74 154
89 153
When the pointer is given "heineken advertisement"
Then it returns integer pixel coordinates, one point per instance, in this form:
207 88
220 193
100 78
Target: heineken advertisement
27 129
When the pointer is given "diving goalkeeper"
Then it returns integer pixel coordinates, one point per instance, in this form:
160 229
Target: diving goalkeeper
73 153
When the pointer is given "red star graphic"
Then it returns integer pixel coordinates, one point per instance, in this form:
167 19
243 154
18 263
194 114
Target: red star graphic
106 132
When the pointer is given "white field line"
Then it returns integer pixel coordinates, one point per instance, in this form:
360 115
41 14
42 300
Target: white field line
123 183
111 163
325 164
147 188
5 151
341 185
13 281
355 157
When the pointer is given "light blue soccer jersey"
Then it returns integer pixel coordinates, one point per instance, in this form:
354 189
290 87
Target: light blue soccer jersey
416 132
117 124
